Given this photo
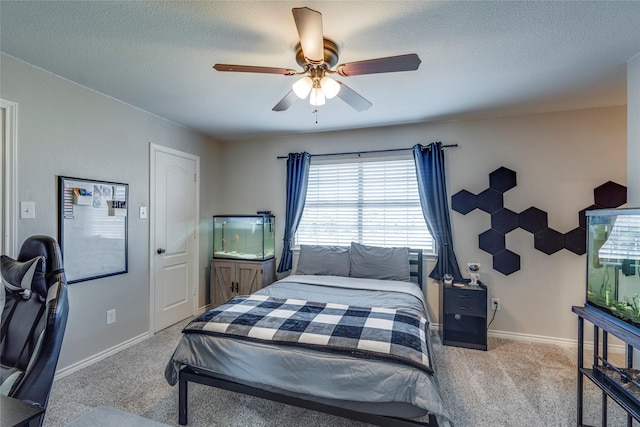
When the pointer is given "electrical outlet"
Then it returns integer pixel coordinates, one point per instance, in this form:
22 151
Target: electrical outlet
111 316
495 304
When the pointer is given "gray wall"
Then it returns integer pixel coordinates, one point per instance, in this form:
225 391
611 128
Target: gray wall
559 159
65 129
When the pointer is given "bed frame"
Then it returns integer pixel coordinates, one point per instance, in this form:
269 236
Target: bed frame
191 374
196 375
415 266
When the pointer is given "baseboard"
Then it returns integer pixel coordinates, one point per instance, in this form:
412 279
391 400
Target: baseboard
564 342
61 373
203 310
542 339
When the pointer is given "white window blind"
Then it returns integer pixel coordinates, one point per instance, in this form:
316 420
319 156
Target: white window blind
370 202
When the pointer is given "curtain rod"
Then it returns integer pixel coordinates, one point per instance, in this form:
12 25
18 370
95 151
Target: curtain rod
390 150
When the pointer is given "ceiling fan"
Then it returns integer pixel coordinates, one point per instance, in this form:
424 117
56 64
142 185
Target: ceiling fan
317 56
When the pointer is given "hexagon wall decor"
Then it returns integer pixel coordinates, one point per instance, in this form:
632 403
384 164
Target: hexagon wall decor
608 195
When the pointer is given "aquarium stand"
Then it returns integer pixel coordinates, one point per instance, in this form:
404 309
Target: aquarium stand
230 278
615 382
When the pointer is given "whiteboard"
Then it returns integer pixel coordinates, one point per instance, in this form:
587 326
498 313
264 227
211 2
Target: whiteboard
92 228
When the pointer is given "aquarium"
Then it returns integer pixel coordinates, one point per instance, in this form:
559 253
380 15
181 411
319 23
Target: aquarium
248 237
613 263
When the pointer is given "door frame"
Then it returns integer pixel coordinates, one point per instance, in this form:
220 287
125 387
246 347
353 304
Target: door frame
9 203
153 149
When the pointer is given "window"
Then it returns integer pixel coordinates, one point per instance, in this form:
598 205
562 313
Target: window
623 241
372 202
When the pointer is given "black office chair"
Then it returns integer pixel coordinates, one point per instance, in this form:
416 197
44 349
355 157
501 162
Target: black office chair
34 317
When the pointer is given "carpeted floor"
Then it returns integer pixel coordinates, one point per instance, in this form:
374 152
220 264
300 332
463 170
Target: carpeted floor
512 384
106 416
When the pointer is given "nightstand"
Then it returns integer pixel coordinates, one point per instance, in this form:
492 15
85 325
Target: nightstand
463 315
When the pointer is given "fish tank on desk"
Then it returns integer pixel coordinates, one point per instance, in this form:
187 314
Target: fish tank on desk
613 263
244 237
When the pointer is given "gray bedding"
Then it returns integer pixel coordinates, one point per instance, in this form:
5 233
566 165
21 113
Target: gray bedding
373 386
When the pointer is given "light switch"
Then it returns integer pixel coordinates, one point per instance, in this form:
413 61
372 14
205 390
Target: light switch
143 212
27 210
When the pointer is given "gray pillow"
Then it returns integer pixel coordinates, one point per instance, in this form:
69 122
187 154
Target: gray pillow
323 260
371 262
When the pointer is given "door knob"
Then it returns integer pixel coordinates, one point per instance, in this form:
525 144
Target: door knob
161 251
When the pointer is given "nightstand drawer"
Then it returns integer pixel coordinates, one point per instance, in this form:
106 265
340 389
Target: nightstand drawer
468 302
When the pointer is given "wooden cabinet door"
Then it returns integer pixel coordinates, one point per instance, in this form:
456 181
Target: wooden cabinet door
224 282
250 278
232 278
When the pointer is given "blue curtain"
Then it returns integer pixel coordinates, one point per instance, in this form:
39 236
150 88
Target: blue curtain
435 208
297 179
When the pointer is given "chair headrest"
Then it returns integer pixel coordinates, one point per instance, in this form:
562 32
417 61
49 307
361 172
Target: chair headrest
18 276
51 270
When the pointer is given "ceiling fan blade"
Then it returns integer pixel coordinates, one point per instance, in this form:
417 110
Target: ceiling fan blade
286 102
253 69
309 25
388 64
352 98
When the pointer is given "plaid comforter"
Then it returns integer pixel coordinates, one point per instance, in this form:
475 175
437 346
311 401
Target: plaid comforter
367 332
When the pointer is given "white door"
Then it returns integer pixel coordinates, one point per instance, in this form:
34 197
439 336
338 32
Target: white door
3 248
2 201
8 165
175 238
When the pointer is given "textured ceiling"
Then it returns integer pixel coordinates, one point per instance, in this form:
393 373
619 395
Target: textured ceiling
478 58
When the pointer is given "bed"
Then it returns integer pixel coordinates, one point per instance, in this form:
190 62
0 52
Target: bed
275 343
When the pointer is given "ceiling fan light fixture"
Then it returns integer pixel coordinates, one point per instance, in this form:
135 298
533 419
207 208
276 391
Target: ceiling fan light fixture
317 97
302 87
330 87
318 56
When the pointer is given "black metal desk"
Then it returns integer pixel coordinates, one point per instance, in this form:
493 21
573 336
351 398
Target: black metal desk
14 412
